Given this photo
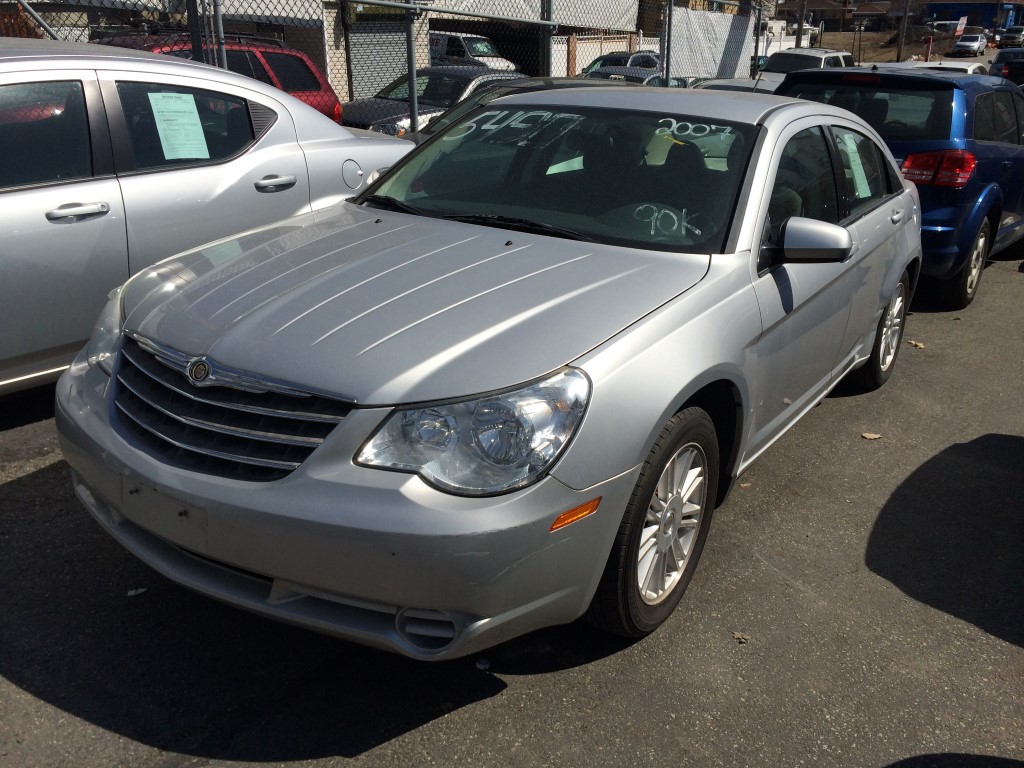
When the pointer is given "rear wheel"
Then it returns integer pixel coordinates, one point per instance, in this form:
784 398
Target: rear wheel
877 370
960 291
663 529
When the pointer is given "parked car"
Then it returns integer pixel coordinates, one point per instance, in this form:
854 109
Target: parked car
774 69
957 137
1013 37
114 159
638 75
437 88
487 94
508 385
266 59
643 59
971 68
1009 63
969 45
465 49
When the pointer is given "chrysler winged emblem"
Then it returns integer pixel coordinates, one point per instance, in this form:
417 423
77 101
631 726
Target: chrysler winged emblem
199 371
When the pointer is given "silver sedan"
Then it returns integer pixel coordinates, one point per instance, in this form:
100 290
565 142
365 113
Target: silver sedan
507 386
114 159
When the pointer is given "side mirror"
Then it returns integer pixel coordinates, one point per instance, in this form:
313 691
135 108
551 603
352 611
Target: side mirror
810 241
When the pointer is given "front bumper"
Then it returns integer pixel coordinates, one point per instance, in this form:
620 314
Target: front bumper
375 557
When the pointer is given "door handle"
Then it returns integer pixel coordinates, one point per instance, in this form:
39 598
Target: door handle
77 211
275 183
897 216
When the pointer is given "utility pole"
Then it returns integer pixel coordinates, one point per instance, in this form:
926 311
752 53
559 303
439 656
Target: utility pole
903 30
800 24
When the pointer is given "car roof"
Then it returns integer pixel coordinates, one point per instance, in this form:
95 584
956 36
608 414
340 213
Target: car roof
753 108
894 75
21 48
30 54
813 51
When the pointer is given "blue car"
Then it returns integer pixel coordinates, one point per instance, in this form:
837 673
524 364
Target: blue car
959 138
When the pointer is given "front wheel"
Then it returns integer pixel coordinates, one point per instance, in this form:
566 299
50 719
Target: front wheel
960 291
663 529
878 368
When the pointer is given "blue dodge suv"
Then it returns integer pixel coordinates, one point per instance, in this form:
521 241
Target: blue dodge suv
959 138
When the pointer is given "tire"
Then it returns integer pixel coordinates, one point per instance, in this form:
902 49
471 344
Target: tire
663 530
959 291
888 338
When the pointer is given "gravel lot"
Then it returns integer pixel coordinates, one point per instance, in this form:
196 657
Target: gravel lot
860 603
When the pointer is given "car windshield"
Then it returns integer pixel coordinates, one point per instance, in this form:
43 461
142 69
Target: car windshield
480 46
647 180
911 112
432 90
483 96
608 60
970 38
790 62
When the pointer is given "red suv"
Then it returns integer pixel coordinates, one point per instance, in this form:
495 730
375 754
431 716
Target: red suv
263 58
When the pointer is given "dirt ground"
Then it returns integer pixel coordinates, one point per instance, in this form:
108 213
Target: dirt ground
875 46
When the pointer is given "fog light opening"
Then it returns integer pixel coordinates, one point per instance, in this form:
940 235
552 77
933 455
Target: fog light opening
426 630
576 513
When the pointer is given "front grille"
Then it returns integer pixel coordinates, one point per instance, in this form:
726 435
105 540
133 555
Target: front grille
244 428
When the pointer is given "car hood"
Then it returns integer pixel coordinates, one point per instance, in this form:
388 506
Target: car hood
373 111
382 308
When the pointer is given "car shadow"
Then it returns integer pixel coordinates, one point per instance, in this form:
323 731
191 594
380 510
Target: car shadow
27 407
952 535
952 760
92 631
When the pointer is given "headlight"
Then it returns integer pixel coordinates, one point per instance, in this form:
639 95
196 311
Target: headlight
398 128
487 445
102 345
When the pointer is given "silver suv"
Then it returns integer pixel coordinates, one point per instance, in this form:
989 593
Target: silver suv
1011 38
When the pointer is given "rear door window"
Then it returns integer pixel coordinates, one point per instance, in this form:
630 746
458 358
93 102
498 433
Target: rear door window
995 118
175 125
293 73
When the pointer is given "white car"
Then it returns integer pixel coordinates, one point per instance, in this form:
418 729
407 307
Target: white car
969 67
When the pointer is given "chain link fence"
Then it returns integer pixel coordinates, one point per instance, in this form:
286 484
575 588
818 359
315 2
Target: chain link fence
393 64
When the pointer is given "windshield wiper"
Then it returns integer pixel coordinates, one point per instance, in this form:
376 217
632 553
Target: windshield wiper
524 225
391 204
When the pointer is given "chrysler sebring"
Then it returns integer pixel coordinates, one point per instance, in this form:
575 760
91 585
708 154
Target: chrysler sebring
506 386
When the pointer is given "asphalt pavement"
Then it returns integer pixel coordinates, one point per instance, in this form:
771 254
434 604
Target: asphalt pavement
860 602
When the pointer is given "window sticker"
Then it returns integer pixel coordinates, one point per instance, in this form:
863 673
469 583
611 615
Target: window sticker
860 176
179 126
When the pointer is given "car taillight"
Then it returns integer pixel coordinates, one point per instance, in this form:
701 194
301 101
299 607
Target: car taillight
337 112
947 168
1005 71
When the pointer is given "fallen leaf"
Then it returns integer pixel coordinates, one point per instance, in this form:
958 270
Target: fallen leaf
741 638
870 436
916 344
744 485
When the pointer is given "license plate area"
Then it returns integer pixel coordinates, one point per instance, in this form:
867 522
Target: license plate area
164 516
